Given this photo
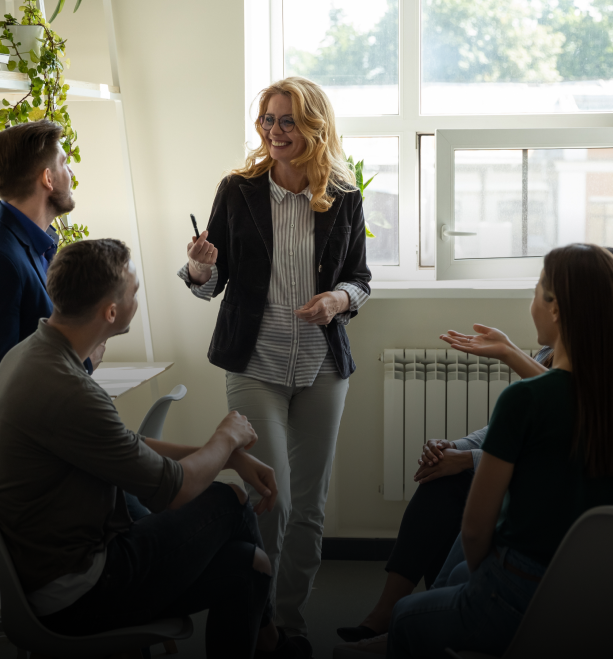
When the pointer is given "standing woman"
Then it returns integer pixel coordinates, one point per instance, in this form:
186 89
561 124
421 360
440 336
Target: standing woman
286 240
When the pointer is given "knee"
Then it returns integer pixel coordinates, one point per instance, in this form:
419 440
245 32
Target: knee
261 562
240 493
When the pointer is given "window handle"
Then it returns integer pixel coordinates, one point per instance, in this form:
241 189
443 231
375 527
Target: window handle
446 234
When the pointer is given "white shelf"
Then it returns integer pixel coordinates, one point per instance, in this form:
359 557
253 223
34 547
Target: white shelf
18 84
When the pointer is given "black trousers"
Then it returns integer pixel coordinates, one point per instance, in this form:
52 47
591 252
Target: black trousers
429 527
177 563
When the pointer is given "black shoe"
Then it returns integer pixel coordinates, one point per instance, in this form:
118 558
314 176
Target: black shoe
355 634
288 647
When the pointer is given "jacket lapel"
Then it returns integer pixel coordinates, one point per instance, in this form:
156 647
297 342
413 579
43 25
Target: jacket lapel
324 223
15 227
257 195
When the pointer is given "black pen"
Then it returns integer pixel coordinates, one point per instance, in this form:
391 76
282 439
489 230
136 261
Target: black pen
195 225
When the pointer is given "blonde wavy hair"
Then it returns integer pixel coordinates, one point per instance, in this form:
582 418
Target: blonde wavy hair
326 168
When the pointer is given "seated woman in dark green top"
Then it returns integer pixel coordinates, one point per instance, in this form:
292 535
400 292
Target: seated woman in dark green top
548 457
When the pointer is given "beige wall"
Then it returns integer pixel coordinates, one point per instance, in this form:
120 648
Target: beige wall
182 84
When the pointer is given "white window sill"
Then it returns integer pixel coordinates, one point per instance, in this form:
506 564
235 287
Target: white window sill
466 288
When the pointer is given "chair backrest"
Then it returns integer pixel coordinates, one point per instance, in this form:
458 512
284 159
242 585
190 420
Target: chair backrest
572 610
25 631
18 621
153 423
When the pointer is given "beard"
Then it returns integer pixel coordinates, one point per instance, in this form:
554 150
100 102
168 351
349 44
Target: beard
61 202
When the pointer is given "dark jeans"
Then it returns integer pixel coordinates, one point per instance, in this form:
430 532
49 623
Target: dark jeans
176 563
135 507
429 527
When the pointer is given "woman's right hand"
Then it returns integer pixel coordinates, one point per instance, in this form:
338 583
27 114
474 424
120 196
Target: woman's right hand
488 342
201 255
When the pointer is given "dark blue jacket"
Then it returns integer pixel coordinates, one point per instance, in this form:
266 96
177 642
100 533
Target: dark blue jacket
23 293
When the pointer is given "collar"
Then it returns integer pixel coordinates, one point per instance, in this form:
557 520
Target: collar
40 240
278 193
53 336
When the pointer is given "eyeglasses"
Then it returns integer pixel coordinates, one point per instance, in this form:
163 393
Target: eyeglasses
286 123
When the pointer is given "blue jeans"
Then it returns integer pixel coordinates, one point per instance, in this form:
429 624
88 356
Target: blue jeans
449 575
135 507
479 611
176 563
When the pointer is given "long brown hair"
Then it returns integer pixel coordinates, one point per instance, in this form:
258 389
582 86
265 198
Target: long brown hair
312 112
580 278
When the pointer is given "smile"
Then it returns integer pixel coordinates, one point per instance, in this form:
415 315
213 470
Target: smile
279 143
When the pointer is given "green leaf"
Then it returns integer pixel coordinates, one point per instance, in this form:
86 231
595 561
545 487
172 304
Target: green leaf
12 65
23 66
58 9
369 233
77 6
34 57
5 102
367 183
4 50
36 114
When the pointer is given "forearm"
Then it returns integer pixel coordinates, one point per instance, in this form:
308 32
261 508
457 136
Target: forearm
200 275
342 299
521 363
476 548
464 459
173 451
201 467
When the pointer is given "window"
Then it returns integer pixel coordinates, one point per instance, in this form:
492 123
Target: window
516 194
517 56
401 73
350 48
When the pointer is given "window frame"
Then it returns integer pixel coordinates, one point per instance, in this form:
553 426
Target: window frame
447 143
406 126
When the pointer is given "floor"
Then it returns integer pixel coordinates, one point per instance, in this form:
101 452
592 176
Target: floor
343 593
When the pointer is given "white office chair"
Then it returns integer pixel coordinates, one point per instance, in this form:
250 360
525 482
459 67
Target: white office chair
571 613
153 423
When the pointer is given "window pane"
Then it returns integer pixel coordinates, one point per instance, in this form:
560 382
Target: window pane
526 202
427 187
380 155
350 47
518 56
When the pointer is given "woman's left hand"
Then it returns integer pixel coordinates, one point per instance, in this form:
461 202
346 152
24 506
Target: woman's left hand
322 308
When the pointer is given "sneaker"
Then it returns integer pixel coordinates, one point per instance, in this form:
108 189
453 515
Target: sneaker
288 647
360 650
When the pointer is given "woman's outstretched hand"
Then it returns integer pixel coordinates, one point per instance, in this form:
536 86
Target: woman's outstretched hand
488 342
201 255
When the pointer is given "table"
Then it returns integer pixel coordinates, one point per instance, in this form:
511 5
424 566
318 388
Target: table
117 378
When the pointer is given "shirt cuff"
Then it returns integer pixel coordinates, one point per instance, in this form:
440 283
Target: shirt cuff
204 291
477 453
357 297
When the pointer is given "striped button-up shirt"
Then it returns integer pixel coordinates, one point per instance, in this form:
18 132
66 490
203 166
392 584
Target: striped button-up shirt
289 351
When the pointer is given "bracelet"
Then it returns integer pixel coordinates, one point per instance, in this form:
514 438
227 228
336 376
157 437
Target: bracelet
201 267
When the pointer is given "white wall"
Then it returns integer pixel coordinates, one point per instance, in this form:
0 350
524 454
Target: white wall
182 84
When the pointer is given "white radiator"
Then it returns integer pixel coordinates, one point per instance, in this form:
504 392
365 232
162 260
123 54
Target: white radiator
433 394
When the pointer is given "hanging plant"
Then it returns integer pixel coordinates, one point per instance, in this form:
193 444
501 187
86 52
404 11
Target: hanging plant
46 98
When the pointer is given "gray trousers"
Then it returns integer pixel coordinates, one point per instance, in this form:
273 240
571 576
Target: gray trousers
297 429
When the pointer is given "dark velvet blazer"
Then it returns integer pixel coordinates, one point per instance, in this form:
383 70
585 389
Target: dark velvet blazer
241 228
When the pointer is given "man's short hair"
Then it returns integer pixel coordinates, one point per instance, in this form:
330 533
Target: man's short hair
26 151
85 273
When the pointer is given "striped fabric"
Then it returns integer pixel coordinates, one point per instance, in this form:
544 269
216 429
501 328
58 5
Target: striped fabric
289 351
